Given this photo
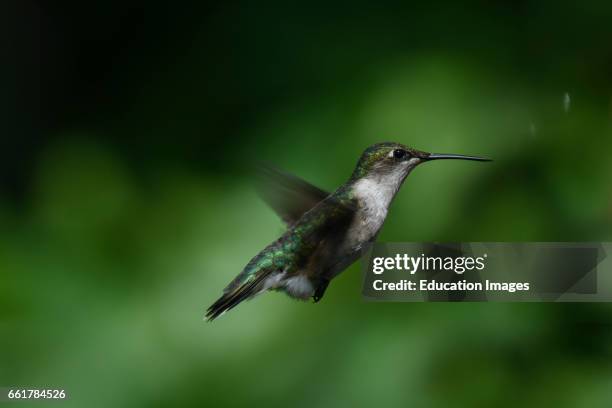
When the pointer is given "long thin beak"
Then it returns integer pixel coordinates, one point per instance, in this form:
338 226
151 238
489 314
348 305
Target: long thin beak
438 156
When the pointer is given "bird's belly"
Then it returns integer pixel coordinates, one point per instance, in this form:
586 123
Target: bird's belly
363 232
346 260
359 238
297 285
352 249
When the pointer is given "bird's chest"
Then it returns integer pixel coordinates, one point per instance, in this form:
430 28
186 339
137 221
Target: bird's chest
366 225
374 199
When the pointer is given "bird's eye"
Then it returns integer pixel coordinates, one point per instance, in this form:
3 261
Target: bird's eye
399 153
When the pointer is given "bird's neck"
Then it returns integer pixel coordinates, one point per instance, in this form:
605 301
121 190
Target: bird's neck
376 192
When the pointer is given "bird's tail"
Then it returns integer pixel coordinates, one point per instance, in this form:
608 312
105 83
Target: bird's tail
235 293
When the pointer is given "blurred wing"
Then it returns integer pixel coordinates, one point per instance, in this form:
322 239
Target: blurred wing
289 196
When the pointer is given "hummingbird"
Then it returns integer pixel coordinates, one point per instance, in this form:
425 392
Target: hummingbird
326 232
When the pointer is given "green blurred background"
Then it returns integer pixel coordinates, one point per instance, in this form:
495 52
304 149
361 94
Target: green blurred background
126 199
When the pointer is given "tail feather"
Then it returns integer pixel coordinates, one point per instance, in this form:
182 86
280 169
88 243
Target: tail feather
233 297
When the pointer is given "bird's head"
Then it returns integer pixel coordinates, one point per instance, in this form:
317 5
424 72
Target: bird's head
393 161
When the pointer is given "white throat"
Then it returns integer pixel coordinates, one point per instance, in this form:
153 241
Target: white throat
375 194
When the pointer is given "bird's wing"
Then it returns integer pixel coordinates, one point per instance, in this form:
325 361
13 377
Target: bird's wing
288 195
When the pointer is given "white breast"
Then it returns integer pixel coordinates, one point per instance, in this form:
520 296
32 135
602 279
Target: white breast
374 199
374 196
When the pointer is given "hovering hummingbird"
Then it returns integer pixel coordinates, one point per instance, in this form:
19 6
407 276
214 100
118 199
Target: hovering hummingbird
326 232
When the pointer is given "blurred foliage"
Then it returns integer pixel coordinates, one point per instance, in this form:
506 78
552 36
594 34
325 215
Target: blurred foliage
126 201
